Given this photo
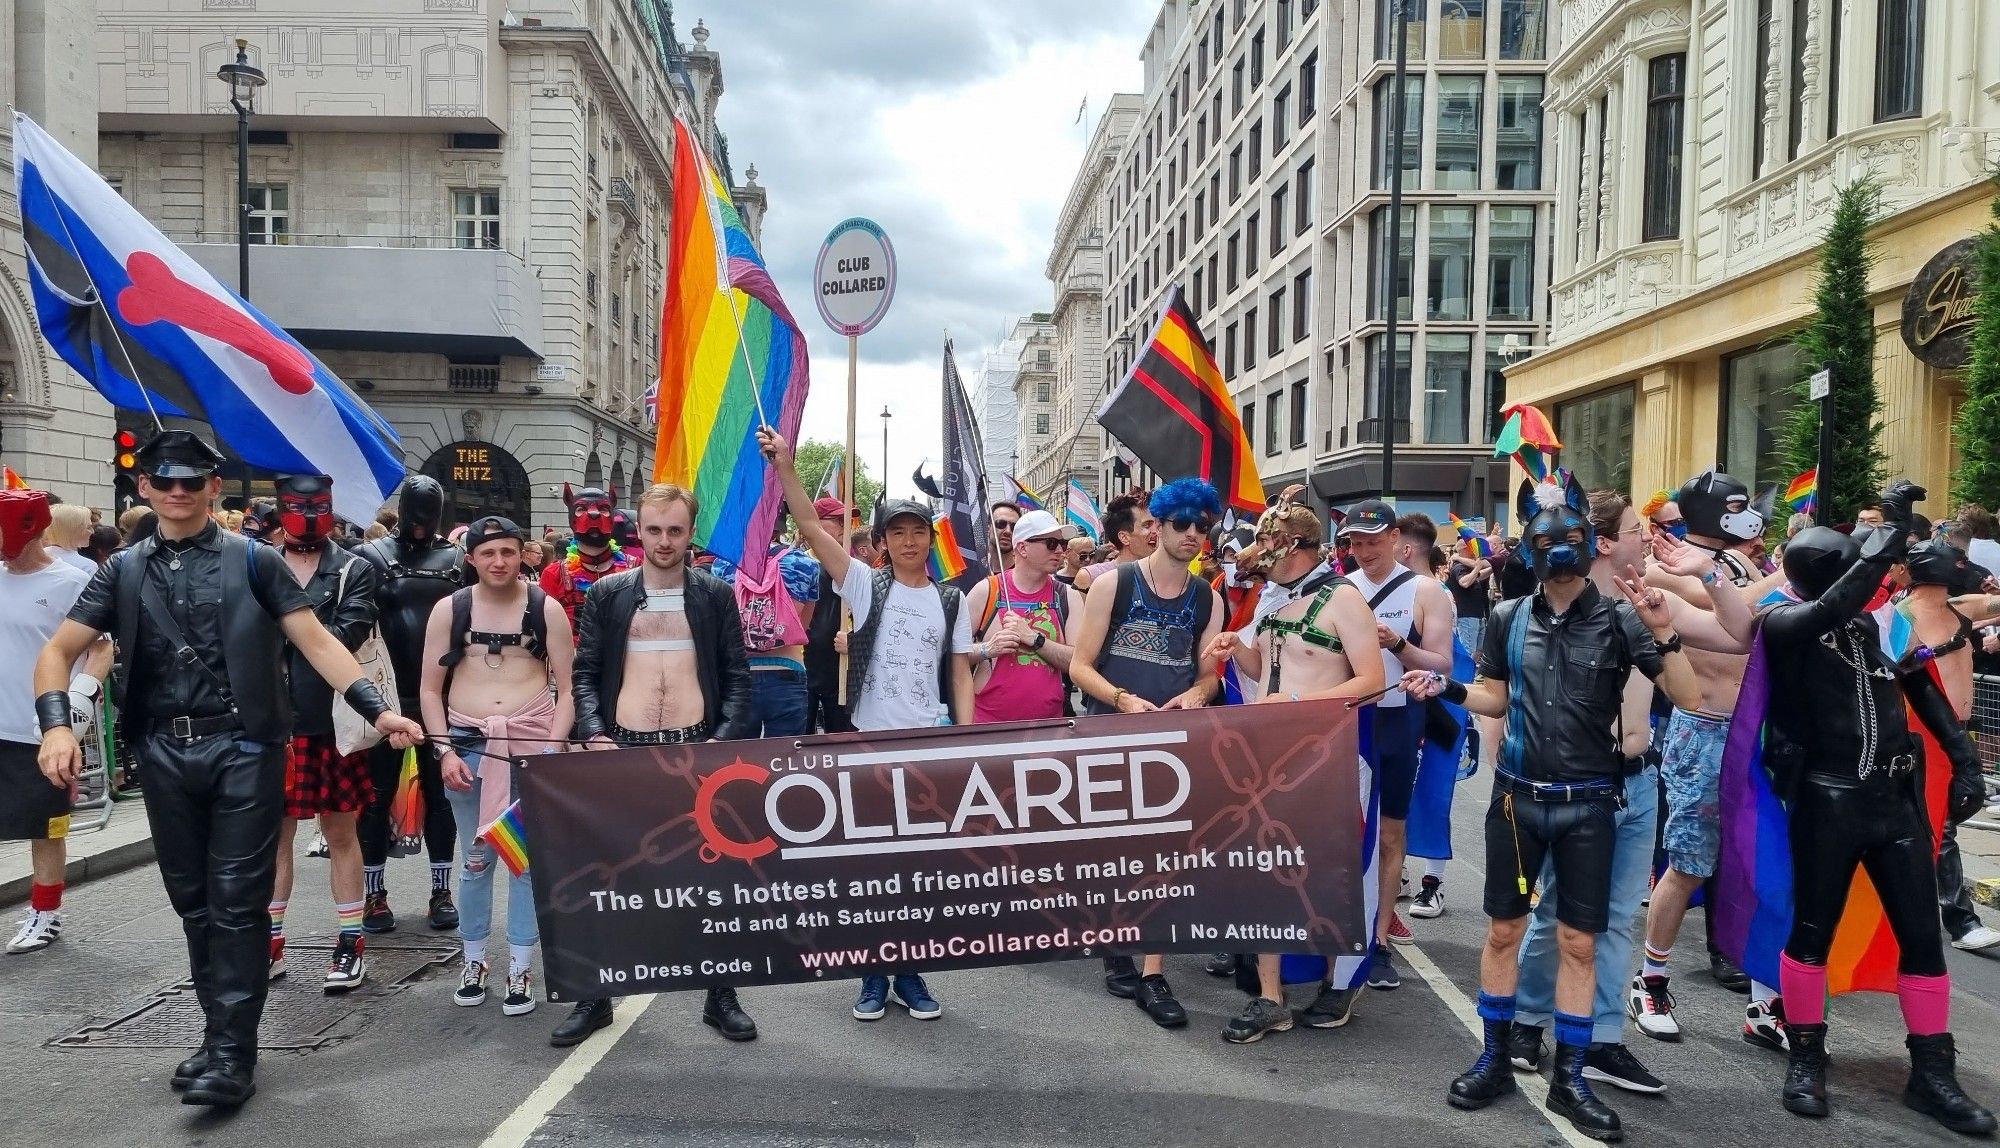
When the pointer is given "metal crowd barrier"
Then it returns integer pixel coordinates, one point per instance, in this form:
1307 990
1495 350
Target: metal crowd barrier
1986 720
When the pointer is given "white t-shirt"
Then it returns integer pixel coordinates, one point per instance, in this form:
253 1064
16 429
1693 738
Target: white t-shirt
1985 552
31 607
74 559
900 689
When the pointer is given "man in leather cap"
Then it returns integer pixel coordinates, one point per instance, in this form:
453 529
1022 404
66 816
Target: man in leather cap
417 568
1841 756
202 616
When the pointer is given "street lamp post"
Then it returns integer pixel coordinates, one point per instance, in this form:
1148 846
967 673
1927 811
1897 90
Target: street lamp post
243 79
885 450
1385 405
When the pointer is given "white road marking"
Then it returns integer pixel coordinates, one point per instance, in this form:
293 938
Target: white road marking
522 1123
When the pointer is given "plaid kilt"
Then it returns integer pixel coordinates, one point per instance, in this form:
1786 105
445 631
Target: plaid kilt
319 779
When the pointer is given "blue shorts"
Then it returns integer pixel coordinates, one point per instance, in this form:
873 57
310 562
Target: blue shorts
1691 768
1397 730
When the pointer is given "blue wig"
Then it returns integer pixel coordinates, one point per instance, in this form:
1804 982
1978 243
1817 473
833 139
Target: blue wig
1185 498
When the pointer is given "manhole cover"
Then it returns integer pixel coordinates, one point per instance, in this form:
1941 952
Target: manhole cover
298 1016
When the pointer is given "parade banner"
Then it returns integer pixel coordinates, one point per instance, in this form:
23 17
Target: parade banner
1233 829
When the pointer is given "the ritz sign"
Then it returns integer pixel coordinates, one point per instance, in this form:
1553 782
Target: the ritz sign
472 465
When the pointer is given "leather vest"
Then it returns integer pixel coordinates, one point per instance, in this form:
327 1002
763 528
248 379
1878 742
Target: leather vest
253 644
861 642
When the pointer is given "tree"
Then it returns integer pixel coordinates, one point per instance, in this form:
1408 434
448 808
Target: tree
815 456
1841 338
1978 425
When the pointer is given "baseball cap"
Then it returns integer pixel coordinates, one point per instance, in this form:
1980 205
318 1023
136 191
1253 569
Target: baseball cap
1041 524
830 508
1370 517
491 528
902 508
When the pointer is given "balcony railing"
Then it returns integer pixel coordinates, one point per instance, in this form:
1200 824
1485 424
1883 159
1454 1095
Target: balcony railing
620 192
1370 431
339 239
474 380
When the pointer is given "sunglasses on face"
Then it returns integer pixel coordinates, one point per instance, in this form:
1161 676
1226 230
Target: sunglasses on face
191 485
1051 543
1186 524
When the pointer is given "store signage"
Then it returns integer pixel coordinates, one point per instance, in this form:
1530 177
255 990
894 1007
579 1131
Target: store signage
471 465
1938 312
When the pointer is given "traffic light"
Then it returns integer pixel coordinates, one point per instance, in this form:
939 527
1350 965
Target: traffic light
124 453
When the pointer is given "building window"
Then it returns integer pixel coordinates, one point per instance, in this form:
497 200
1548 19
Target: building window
1448 287
1250 243
1042 388
1510 263
1600 203
270 214
1229 352
1462 30
1399 387
1235 173
1385 28
1257 58
1281 106
1308 89
1496 387
1236 87
1284 22
1521 29
1234 245
475 218
1385 127
1256 149
1759 97
1447 387
1665 103
1194 294
1302 305
1212 277
1379 257
1041 424
1274 337
1596 433
1757 399
1517 142
1302 197
1298 438
1250 421
1795 110
1278 219
1899 59
1457 163
1831 66
1214 197
1250 338
1201 213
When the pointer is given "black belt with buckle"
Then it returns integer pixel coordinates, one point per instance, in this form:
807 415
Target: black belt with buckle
189 728
628 737
1558 791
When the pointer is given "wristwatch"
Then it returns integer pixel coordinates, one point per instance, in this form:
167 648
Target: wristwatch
1040 641
1401 644
1670 646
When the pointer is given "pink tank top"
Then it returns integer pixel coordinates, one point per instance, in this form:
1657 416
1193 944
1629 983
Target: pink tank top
1022 686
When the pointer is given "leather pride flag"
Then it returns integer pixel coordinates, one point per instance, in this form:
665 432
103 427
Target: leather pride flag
1173 410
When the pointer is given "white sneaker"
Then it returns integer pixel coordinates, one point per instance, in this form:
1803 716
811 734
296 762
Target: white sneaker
1764 1025
1429 901
318 847
39 931
519 1001
1979 938
1651 1006
471 986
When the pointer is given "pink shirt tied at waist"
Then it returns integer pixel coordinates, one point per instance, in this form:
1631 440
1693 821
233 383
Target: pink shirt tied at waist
533 722
1023 686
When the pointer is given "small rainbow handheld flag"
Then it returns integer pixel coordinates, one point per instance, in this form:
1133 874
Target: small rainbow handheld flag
509 839
11 481
947 560
1803 493
1481 547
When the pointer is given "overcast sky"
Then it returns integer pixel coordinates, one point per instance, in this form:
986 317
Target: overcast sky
952 125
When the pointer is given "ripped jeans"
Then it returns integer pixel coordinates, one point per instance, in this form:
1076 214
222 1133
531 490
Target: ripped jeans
477 863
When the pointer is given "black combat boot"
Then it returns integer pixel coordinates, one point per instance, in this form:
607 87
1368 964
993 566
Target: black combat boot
1805 1076
1933 1089
1570 1096
1491 1076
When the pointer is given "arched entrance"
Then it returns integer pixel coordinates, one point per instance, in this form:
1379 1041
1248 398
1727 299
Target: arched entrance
593 472
480 478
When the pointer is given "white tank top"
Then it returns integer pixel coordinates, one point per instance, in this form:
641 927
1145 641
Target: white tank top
1398 612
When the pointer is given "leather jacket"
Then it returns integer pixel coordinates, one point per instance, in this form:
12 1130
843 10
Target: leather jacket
722 667
415 577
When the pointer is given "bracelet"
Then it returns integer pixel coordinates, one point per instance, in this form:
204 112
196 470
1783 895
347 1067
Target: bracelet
1115 699
1670 646
1401 645
52 710
1710 578
1453 692
366 700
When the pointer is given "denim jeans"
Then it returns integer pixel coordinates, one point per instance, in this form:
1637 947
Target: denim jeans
778 699
1631 866
477 863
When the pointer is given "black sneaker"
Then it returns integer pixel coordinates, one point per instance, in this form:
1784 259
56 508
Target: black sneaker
1615 1065
1332 1008
1382 971
1157 998
376 916
1525 1047
1220 965
1727 974
1261 1016
443 914
1121 977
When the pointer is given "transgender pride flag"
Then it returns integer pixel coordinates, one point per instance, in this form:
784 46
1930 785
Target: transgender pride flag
153 331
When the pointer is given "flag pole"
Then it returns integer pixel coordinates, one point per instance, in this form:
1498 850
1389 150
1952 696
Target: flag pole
853 482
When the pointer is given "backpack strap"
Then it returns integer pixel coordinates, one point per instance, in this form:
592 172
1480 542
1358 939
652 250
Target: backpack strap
535 623
992 607
461 623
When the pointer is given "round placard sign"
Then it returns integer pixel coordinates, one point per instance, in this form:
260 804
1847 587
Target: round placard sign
856 276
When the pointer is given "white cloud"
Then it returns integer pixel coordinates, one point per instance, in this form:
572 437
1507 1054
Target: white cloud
950 125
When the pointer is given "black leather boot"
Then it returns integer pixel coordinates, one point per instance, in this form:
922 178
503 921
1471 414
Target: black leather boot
228 1081
1805 1076
1933 1089
587 1017
1570 1096
1121 977
1491 1076
725 1015
188 1070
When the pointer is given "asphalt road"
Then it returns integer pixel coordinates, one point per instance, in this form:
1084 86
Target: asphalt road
1030 1055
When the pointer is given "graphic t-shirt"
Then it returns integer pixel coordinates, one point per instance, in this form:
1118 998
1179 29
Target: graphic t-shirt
31 607
900 690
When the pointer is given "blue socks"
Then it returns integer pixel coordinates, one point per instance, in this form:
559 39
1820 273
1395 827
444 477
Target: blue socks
1573 1030
1495 1009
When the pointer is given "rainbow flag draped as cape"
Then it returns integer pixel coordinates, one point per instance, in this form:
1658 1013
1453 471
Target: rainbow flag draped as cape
1753 908
509 839
718 364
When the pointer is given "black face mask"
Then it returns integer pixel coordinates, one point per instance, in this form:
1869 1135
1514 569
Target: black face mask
1562 556
1815 559
1715 505
420 507
1939 563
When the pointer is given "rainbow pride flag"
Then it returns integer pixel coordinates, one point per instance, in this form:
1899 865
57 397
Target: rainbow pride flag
11 481
1481 546
1803 492
509 839
947 559
1024 498
721 365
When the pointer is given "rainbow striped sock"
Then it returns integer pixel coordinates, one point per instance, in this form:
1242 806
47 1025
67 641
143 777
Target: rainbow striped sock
350 917
278 918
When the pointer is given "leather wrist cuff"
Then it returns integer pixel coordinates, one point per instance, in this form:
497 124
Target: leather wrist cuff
52 710
1453 692
366 700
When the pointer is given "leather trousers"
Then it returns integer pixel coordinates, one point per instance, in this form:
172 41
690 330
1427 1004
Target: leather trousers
1841 823
214 804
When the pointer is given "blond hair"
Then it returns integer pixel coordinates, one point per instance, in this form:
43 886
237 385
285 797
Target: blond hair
232 520
69 526
664 494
